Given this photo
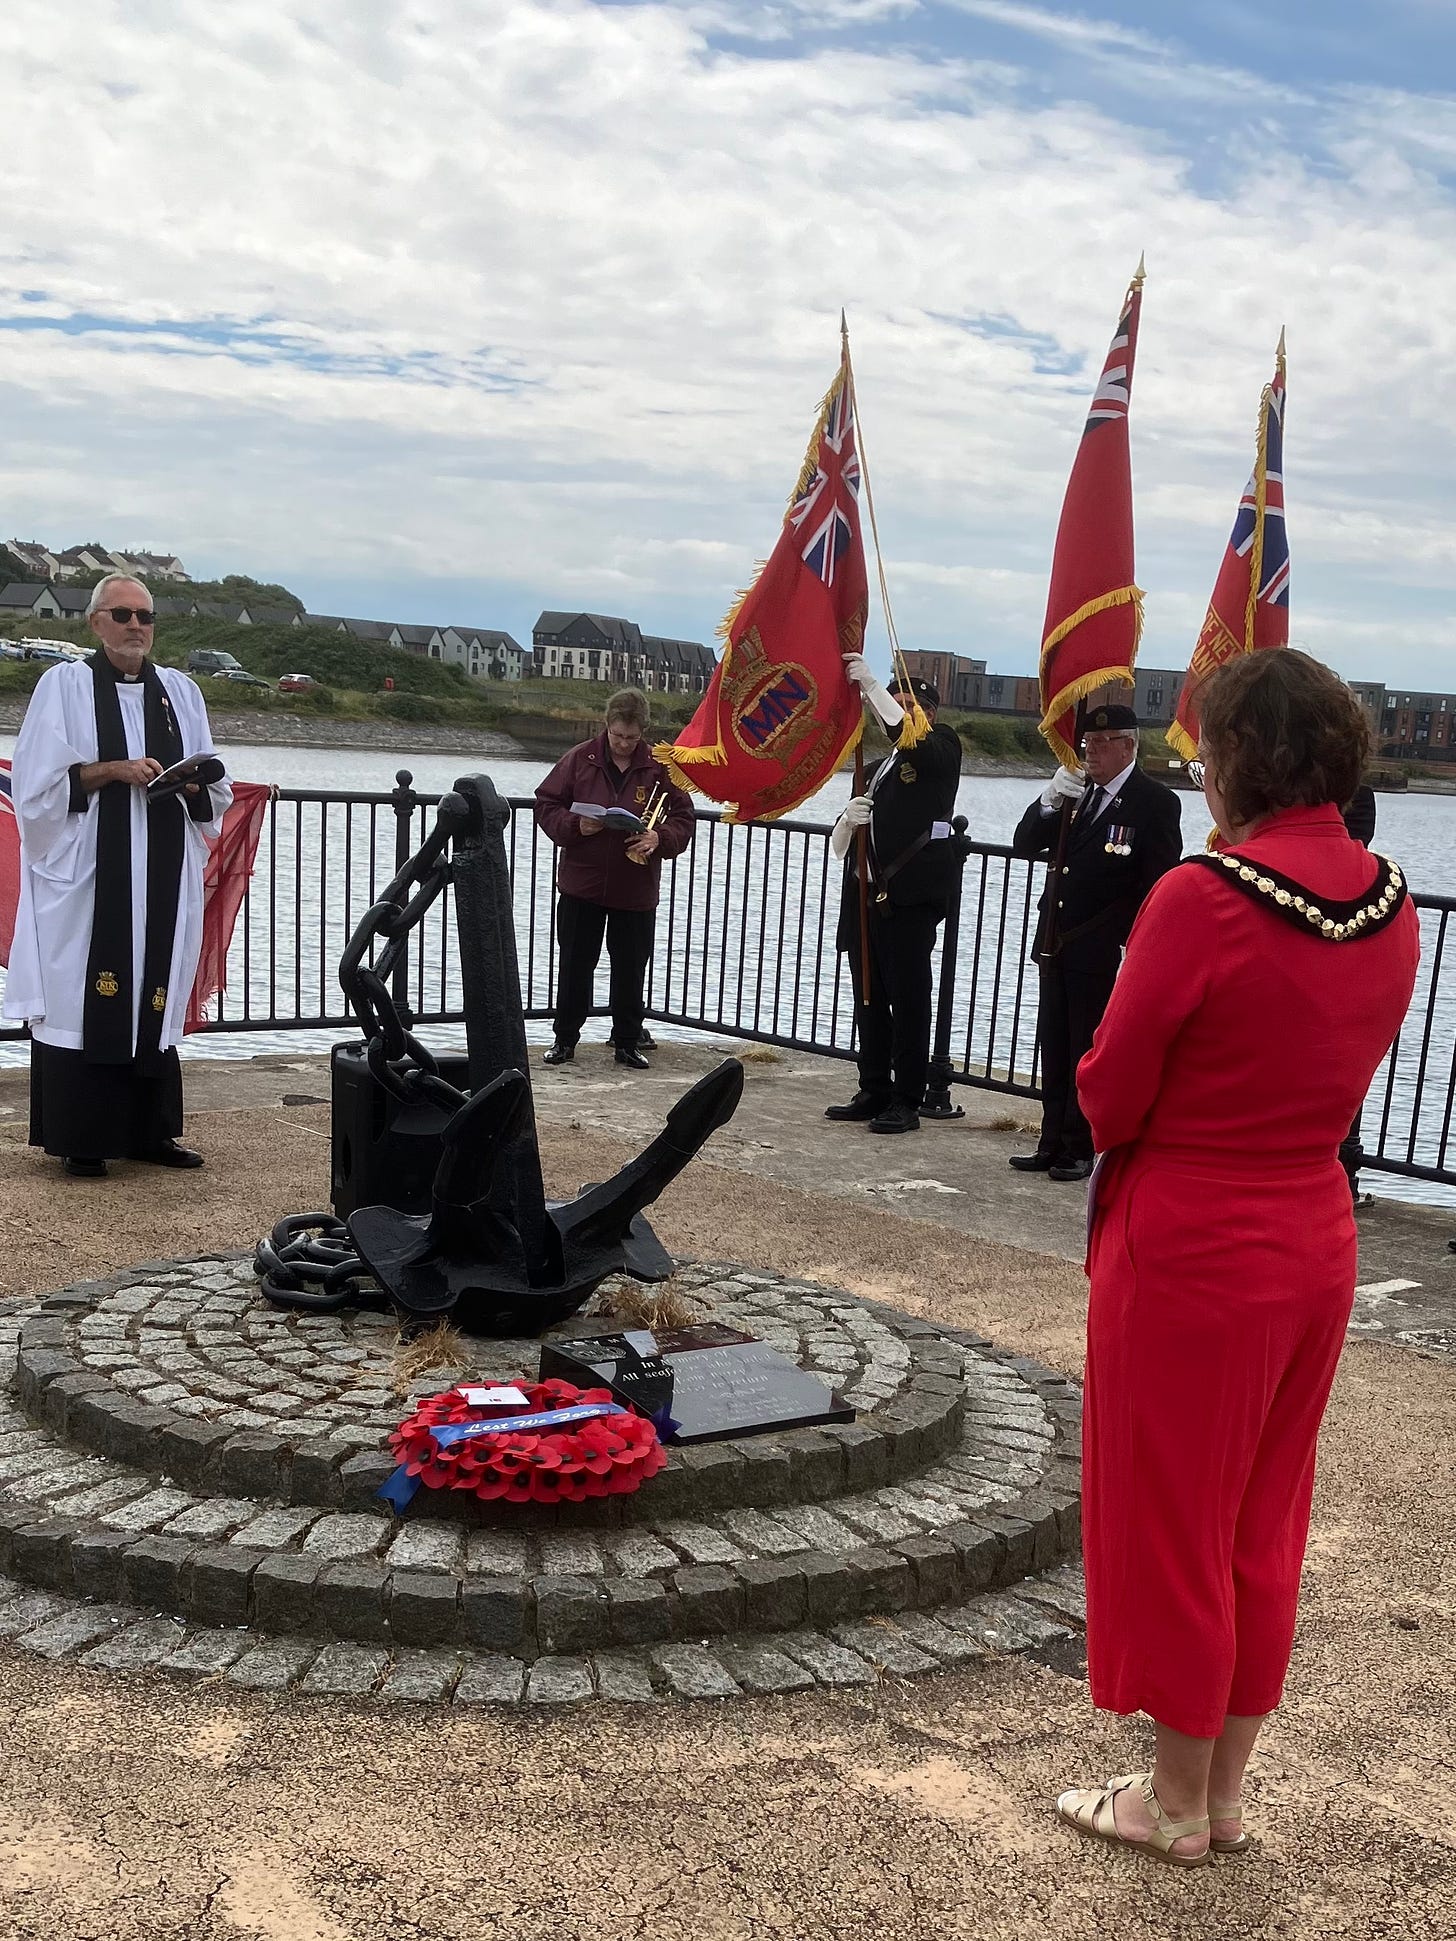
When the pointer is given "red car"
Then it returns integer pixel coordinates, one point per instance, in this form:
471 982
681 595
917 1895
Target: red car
295 683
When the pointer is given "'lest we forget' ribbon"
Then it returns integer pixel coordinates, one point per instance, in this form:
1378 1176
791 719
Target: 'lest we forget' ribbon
401 1487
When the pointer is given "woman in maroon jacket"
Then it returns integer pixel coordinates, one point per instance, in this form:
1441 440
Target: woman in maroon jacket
1261 989
608 881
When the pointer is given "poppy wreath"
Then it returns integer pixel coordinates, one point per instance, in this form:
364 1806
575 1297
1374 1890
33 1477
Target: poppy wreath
608 1455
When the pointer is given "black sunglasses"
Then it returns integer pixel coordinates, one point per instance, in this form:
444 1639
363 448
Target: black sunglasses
124 615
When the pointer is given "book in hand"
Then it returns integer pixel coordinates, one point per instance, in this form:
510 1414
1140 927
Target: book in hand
202 769
622 820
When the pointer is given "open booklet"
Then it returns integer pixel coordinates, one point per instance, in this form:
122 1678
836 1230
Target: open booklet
621 820
193 768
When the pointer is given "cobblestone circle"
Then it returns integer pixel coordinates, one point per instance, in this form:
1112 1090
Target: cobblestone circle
155 1513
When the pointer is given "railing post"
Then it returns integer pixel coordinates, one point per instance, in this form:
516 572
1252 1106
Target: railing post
937 1103
405 802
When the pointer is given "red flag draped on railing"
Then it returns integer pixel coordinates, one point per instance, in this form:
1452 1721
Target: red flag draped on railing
779 715
1249 610
9 864
1094 610
224 884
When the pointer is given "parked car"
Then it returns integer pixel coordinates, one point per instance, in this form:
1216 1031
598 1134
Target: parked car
11 650
211 660
295 683
240 677
54 650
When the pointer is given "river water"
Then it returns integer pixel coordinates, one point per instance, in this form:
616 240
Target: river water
746 935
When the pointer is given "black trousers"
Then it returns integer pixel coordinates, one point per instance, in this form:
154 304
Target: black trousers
1072 1003
84 1111
893 1019
580 927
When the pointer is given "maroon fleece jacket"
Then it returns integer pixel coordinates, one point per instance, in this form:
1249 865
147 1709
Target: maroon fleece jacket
597 868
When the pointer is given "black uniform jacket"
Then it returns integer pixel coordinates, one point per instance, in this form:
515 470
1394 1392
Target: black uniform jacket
917 789
1100 892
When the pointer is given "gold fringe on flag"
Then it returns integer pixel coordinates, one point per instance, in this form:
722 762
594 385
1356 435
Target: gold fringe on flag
1086 684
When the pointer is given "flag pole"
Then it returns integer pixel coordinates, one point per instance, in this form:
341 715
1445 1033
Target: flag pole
1051 939
861 834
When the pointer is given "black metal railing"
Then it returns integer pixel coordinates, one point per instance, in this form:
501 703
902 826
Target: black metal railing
745 947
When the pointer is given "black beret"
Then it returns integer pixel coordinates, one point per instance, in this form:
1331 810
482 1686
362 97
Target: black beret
922 690
1110 718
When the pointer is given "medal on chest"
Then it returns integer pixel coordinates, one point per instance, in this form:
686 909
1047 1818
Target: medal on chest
1119 839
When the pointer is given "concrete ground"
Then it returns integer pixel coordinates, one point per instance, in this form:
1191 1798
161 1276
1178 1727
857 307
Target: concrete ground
134 1809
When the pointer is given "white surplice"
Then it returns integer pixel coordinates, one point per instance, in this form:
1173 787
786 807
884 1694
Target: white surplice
45 986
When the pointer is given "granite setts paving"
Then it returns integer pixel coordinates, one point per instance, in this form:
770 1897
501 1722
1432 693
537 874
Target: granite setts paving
160 1525
182 1369
1037 1618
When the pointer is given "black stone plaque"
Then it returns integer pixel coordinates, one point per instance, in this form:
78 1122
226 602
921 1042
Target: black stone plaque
712 1381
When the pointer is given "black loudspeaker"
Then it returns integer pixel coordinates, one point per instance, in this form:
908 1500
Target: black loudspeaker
384 1152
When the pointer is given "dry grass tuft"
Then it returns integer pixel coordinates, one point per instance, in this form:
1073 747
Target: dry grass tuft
441 1346
1008 1122
759 1055
667 1306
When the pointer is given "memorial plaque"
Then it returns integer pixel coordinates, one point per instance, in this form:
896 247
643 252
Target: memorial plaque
712 1381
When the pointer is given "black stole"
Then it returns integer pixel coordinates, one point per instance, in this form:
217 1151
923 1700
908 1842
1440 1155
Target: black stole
106 1021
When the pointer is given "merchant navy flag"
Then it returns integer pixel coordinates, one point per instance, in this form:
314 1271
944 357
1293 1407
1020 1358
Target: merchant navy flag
779 714
1250 605
1094 611
225 877
9 863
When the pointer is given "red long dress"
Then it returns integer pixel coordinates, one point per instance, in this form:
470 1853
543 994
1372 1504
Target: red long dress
1227 1068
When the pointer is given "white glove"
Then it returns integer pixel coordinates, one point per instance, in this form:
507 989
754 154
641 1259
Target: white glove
875 692
1065 786
856 813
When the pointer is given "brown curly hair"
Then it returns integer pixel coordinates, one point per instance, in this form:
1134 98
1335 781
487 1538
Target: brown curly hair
1281 729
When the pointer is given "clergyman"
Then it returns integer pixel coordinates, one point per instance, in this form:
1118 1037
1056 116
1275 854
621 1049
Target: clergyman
109 923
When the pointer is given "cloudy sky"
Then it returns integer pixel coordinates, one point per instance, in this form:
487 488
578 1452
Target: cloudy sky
454 309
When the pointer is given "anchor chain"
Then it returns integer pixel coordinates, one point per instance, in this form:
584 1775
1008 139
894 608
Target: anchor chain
308 1261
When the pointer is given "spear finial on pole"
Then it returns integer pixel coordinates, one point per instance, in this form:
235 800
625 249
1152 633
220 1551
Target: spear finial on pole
1140 274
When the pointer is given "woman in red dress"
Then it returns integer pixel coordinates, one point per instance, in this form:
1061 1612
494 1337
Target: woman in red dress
1262 986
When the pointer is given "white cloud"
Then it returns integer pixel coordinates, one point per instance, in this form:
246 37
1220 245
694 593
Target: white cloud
543 295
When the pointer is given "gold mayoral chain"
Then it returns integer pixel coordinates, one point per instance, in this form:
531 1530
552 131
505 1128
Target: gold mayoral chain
653 814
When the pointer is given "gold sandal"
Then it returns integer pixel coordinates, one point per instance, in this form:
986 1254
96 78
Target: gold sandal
1089 1811
1235 1812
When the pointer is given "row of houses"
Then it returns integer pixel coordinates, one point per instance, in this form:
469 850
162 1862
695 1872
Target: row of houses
564 646
604 647
47 565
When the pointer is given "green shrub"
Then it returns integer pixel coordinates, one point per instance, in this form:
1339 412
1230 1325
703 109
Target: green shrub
421 708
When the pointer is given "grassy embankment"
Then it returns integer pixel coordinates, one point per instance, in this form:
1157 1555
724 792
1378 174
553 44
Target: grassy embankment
352 674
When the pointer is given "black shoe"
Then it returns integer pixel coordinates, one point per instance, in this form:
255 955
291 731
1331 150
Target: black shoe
170 1155
560 1053
646 1041
629 1055
84 1168
1074 1169
864 1105
1031 1162
896 1117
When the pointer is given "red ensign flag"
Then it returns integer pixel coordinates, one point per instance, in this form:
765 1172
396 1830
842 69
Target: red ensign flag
779 714
9 864
224 883
1249 610
1094 611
